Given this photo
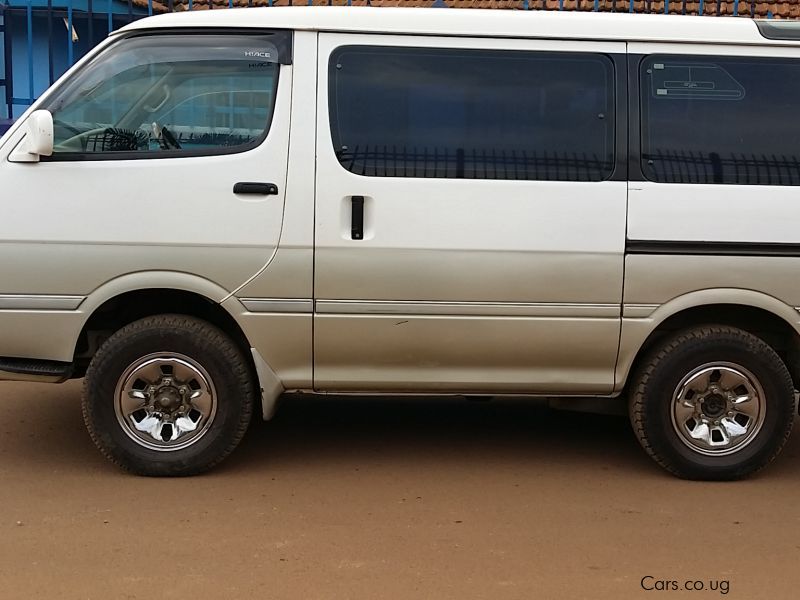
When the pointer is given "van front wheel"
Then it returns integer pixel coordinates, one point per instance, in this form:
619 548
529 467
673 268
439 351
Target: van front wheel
168 395
713 403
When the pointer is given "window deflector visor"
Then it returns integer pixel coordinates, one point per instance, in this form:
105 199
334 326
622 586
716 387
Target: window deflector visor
171 94
150 51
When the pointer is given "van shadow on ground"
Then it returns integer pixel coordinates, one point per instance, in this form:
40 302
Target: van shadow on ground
42 425
310 429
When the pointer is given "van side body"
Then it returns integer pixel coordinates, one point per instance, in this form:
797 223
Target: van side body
440 202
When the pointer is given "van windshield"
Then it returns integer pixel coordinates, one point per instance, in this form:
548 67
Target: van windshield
169 94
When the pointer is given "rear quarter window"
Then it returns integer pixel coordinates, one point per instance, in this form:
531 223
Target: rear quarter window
720 120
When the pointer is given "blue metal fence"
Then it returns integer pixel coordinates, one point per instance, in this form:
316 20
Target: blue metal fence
40 39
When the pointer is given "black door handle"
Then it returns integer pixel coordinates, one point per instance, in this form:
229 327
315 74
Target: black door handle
254 187
357 217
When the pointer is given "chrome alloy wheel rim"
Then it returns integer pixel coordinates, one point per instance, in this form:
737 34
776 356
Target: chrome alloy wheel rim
718 408
165 401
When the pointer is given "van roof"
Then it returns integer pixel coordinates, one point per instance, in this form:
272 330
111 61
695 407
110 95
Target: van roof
476 23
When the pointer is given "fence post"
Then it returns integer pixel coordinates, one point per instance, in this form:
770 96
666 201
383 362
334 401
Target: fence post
50 68
70 49
8 71
90 10
29 21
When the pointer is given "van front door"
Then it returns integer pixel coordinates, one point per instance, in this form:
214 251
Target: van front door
151 138
470 214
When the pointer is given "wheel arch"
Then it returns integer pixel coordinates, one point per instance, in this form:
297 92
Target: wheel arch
767 317
126 299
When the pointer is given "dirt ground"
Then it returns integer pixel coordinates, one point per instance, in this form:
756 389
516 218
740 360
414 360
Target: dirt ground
386 499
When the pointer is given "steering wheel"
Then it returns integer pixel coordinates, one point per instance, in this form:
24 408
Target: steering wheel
110 139
67 126
77 143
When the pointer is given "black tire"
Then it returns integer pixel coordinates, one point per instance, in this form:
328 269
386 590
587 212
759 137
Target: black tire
656 381
207 347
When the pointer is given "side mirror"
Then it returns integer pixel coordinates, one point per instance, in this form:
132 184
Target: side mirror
38 140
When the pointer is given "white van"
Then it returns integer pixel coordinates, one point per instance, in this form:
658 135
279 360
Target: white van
215 208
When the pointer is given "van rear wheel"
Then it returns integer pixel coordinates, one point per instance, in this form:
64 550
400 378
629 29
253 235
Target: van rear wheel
713 403
168 395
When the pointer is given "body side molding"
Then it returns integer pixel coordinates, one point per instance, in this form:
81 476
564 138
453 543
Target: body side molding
39 302
712 248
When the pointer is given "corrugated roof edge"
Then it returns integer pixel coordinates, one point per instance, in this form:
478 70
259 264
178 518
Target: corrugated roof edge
476 23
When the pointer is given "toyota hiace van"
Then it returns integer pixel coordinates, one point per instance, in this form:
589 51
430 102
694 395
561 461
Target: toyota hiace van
213 209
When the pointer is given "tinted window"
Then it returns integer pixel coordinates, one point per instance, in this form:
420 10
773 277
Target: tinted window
720 120
473 114
169 95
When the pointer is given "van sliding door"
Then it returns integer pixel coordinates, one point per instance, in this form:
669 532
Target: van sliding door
470 214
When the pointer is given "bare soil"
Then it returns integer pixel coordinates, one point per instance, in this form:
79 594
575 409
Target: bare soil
370 499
